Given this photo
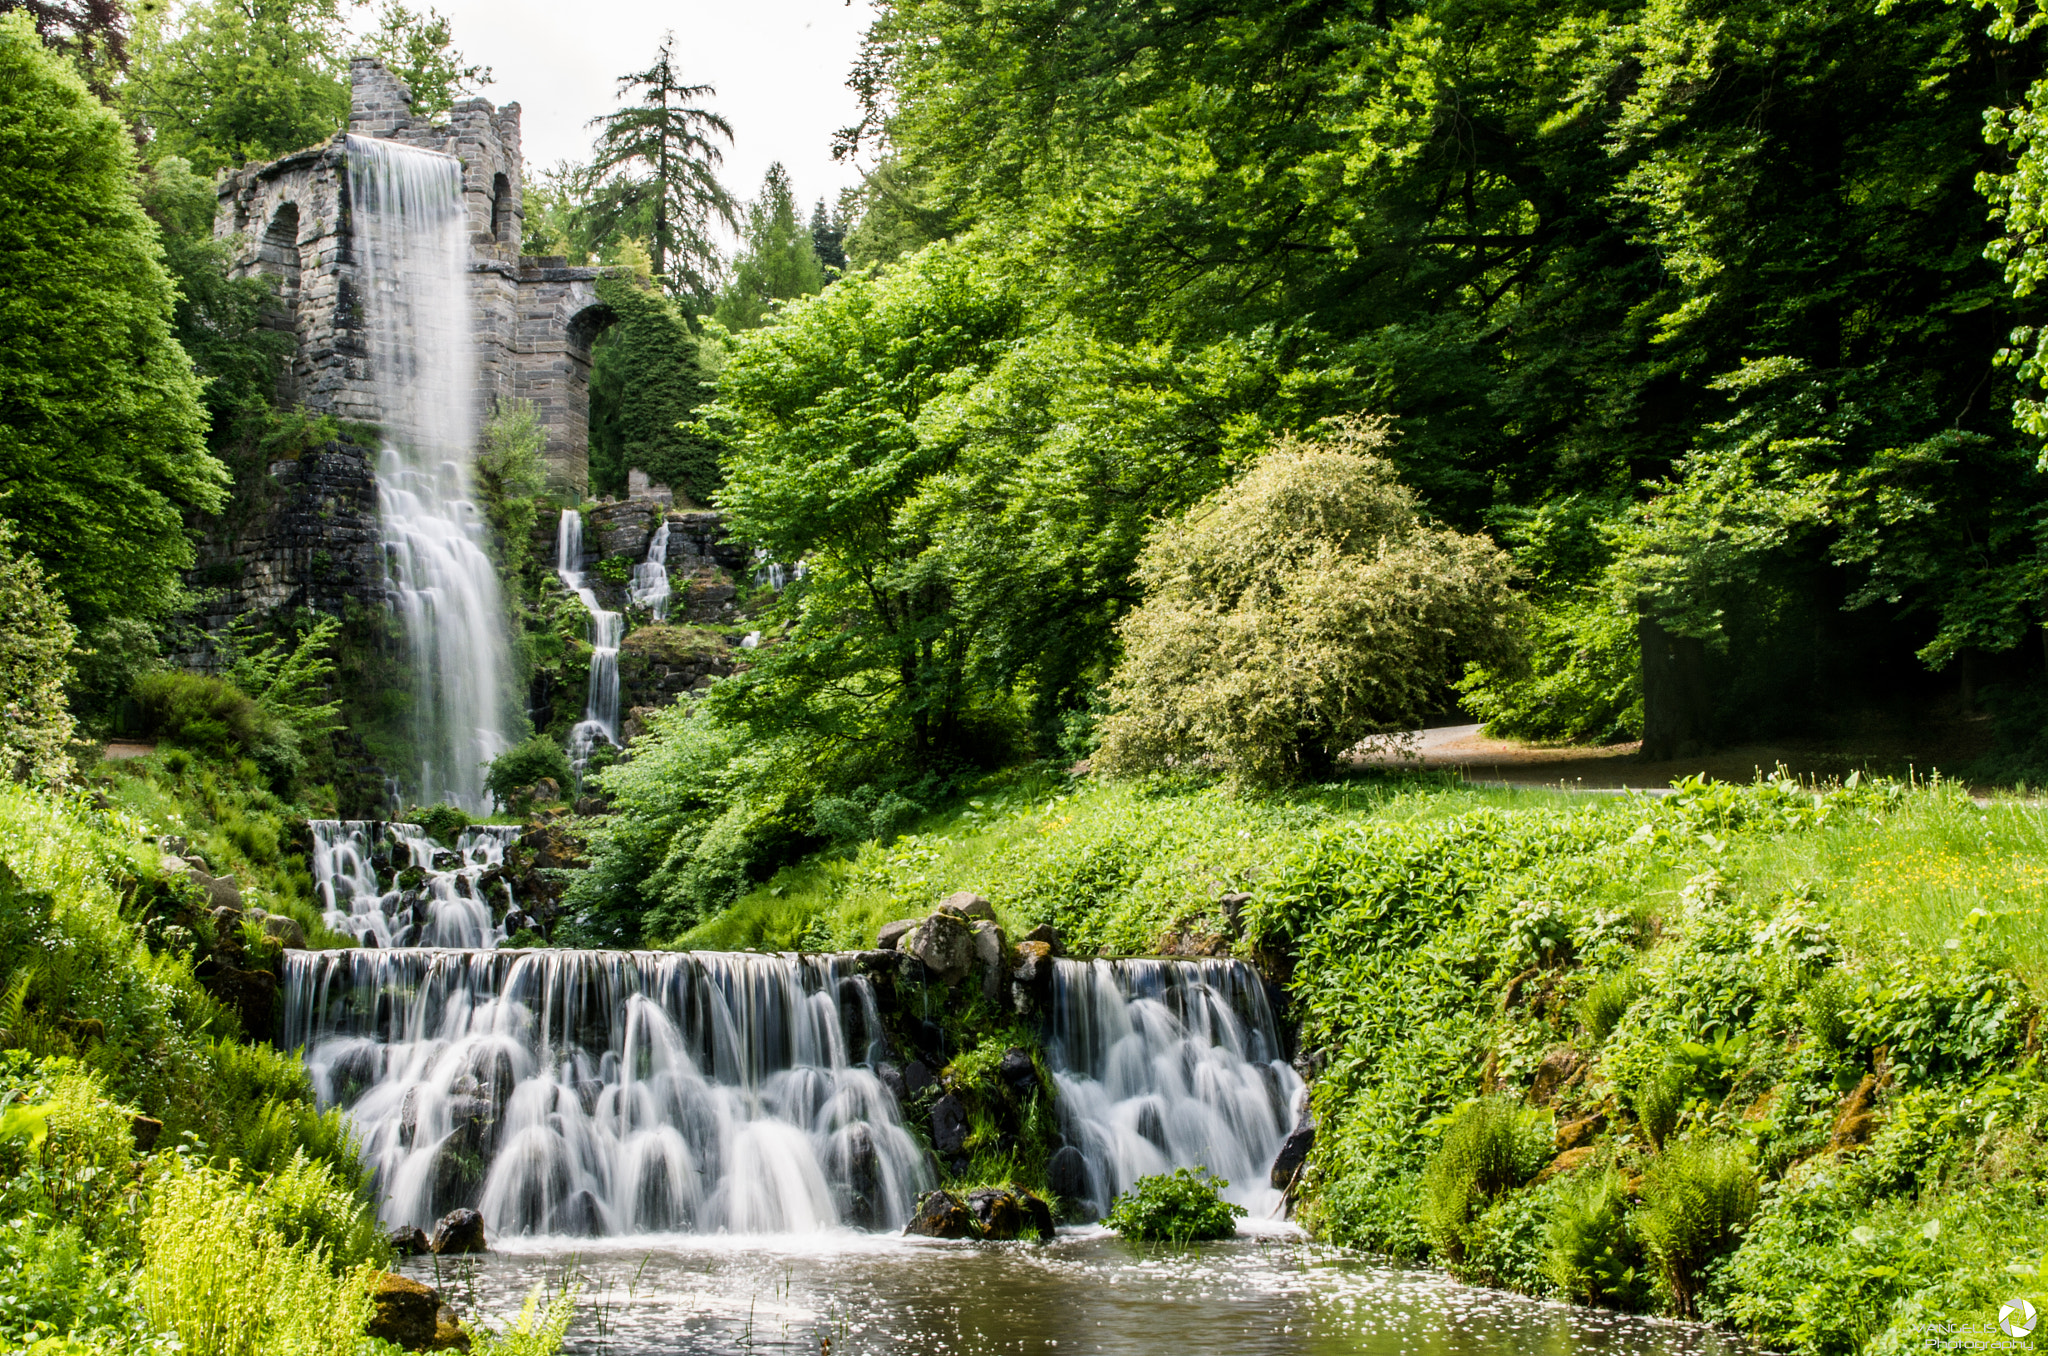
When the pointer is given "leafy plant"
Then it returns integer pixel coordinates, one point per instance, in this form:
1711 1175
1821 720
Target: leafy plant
1489 1145
1697 1198
514 773
1182 1206
537 1331
1592 1251
1605 1002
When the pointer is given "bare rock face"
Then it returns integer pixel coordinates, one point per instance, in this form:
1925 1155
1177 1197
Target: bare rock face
288 931
949 1126
411 1241
1293 1153
1048 934
458 1231
997 1212
945 946
967 905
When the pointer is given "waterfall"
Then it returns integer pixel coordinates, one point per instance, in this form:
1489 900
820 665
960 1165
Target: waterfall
447 905
596 1093
650 576
1168 1064
411 241
601 702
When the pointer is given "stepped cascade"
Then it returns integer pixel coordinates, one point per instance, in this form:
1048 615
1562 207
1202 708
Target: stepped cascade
1164 1064
448 905
650 576
593 1093
601 706
411 235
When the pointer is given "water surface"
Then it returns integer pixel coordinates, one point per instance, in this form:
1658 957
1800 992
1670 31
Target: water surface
1089 1292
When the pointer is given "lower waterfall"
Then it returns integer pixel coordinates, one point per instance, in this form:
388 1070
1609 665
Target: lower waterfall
1164 1064
594 1093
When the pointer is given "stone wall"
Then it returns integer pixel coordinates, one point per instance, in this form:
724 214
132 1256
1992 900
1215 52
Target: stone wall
534 318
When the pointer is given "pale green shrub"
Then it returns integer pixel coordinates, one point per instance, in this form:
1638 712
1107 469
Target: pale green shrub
1592 1252
537 1331
219 1275
1600 1011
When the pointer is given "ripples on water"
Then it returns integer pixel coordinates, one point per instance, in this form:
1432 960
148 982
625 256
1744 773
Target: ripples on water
1089 1292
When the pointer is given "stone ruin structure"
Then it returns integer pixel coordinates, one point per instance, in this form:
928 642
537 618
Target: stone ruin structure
534 318
311 540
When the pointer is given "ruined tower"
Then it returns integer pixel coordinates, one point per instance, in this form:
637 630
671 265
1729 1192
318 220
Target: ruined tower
534 318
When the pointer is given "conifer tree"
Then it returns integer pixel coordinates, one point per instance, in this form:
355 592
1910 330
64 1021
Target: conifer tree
777 261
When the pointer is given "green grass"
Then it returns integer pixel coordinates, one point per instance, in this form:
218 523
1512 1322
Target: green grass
1118 866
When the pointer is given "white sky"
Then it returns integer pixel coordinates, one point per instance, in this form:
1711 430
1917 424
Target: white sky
780 67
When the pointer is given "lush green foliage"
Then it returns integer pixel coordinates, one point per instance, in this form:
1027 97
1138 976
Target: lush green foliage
100 446
777 261
1295 613
1182 1206
35 662
514 773
647 380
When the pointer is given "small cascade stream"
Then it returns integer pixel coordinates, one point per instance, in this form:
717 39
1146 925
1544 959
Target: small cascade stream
1164 1064
411 237
601 705
360 869
650 576
597 1093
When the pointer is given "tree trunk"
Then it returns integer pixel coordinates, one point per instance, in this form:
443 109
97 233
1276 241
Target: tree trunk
1674 693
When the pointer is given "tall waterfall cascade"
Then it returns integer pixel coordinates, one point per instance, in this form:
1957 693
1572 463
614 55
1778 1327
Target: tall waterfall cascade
361 870
1168 1064
601 705
597 1093
411 236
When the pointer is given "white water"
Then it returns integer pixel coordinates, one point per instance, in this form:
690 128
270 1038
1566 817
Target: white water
1170 1064
451 906
411 240
650 576
601 702
595 1093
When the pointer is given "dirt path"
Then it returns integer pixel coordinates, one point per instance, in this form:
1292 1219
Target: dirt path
1618 766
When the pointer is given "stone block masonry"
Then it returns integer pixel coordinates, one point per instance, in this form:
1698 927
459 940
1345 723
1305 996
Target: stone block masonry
534 319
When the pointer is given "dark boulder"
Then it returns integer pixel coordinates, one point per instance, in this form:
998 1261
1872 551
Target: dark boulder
892 1078
1037 1215
411 1241
917 1076
998 1214
949 1126
404 1311
1292 1155
448 1333
940 1215
1017 1071
458 1231
1048 934
1233 907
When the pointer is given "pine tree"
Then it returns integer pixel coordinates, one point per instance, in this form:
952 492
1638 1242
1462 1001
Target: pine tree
659 158
777 262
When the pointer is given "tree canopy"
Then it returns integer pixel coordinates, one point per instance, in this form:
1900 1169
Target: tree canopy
101 428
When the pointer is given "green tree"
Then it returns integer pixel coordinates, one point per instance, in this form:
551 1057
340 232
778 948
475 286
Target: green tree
223 82
94 33
656 161
1297 612
828 237
777 260
35 664
647 381
419 48
101 428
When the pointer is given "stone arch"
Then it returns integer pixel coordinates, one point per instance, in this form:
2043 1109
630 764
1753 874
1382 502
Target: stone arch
501 211
584 326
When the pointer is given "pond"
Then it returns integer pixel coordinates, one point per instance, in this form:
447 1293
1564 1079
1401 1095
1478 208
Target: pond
1089 1292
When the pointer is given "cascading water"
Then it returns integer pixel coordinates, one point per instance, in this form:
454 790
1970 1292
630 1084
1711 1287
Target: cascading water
594 1093
359 868
650 576
411 241
1164 1064
601 705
